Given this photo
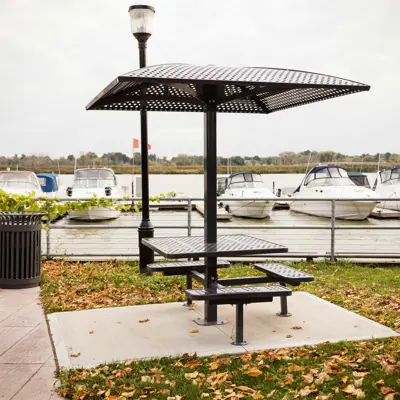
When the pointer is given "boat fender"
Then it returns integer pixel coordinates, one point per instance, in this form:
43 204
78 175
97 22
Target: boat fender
69 191
227 208
107 191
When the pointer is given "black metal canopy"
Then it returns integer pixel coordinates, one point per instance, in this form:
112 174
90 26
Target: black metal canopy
183 87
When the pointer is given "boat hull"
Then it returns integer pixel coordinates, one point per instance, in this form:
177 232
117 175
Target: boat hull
393 205
350 210
95 214
251 209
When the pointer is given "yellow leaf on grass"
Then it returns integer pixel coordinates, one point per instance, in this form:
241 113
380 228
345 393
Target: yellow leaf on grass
194 331
245 389
386 390
75 354
271 394
392 396
308 378
358 382
128 395
358 393
258 396
306 391
107 394
142 321
213 366
191 375
253 372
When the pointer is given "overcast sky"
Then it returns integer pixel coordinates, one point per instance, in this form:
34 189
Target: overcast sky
57 55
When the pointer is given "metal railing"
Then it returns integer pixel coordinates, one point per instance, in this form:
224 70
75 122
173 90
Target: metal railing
290 223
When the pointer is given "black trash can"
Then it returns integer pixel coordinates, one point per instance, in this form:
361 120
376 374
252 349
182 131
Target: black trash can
20 249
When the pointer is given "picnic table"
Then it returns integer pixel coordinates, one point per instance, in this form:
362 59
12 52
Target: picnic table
215 291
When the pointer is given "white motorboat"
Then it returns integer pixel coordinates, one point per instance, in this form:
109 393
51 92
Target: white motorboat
245 185
324 182
387 184
101 182
20 182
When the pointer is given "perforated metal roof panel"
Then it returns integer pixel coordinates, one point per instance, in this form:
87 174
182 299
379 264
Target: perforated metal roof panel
186 87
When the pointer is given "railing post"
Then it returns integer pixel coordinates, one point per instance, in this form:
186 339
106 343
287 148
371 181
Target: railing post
48 233
333 216
189 228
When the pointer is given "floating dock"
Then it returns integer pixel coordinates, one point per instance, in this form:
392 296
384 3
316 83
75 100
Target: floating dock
383 213
222 214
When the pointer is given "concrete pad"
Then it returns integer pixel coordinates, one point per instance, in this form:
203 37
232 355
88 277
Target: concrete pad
40 387
320 321
29 315
118 335
13 377
10 336
34 348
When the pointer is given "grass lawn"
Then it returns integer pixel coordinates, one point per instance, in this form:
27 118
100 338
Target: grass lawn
369 370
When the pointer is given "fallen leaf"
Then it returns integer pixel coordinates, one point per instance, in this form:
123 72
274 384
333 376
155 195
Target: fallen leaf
128 362
386 390
324 396
358 382
91 332
308 378
271 394
358 393
258 396
75 354
191 375
306 391
357 374
246 389
194 331
253 372
146 378
128 395
380 382
213 366
296 327
107 394
391 396
289 336
142 321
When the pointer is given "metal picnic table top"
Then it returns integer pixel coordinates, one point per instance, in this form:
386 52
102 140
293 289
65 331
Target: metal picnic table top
226 246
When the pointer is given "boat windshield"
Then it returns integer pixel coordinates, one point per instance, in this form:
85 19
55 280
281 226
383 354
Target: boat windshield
330 176
246 180
18 180
391 176
94 178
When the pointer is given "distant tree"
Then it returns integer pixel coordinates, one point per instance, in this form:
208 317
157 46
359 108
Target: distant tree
327 156
70 157
387 156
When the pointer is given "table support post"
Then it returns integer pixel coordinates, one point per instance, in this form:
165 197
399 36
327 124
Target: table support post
210 198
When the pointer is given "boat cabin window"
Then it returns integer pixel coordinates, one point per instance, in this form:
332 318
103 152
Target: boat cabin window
328 177
94 178
221 185
42 180
391 175
18 180
246 180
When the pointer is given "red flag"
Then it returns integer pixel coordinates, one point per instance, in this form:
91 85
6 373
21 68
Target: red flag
149 146
135 143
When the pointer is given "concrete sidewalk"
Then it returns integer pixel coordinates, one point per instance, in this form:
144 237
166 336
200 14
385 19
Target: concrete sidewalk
27 363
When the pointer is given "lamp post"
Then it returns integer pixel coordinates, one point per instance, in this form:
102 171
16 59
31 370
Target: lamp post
141 17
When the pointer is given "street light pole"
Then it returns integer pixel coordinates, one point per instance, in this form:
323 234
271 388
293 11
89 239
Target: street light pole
141 24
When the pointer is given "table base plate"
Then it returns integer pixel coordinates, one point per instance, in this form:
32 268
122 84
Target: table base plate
202 322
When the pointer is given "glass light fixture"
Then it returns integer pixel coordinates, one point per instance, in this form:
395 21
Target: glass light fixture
141 19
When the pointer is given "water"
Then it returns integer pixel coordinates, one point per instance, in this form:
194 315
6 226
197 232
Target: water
124 241
192 185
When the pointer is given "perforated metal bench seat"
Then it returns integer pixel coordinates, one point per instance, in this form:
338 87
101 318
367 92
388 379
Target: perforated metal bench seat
284 273
183 267
231 295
